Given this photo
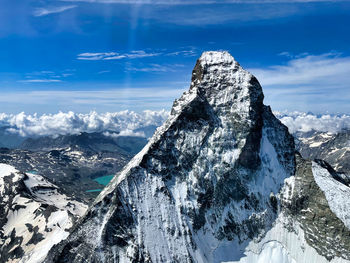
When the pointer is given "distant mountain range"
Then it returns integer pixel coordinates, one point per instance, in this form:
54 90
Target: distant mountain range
331 147
73 162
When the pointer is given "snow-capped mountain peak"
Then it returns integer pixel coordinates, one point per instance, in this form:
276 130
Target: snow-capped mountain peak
217 182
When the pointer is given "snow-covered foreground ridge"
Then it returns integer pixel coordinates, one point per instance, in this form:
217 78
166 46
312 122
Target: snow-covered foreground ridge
33 216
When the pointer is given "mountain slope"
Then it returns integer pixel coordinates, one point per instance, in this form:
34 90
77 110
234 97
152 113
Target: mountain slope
312 225
73 162
87 142
210 184
34 216
331 147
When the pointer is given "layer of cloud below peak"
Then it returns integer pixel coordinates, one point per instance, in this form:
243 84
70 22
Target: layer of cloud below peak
129 123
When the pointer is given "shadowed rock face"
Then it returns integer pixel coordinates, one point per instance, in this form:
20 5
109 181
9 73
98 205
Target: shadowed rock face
217 182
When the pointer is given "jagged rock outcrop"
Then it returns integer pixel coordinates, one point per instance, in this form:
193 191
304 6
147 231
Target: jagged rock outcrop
214 184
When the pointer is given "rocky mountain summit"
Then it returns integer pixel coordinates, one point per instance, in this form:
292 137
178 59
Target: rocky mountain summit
220 181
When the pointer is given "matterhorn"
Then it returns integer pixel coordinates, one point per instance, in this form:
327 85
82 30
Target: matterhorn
219 181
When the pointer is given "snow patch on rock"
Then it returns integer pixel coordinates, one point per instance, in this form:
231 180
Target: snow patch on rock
337 194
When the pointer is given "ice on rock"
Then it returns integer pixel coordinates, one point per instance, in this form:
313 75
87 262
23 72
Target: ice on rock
337 193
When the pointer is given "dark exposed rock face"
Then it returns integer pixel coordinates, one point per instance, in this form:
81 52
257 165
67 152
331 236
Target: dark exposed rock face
217 182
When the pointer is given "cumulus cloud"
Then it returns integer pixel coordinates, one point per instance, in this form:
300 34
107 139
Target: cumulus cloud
130 123
44 11
305 122
126 132
124 123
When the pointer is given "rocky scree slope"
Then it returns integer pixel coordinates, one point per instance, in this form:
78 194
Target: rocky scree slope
34 216
214 184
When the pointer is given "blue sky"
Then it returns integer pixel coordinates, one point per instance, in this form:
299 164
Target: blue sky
112 55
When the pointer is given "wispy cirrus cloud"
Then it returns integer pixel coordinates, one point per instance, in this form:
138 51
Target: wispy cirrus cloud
47 76
41 80
185 53
155 68
305 81
306 69
95 56
199 2
100 99
115 56
44 11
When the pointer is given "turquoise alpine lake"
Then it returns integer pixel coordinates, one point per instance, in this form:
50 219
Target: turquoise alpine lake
32 172
94 190
104 180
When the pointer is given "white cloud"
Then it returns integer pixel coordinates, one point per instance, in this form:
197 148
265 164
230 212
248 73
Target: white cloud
103 71
115 55
124 122
306 82
155 68
130 123
41 80
44 11
46 76
304 122
185 53
307 69
199 2
136 54
125 132
101 99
